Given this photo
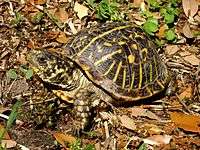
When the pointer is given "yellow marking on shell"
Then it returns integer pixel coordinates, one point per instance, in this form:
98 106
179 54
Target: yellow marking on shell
121 42
117 72
108 56
89 75
100 36
134 46
124 78
132 78
150 73
107 44
149 91
110 68
140 81
146 51
131 59
160 84
155 62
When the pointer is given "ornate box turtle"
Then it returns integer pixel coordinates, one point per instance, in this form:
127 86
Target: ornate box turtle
113 62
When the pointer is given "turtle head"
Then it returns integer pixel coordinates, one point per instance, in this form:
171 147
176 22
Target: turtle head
52 70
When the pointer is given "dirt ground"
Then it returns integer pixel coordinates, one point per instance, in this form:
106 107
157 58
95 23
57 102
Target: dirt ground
44 121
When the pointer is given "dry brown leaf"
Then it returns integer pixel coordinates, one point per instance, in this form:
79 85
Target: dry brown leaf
52 34
63 139
6 135
157 139
127 122
161 32
186 122
187 93
192 59
171 49
62 14
143 112
190 7
38 2
137 3
187 31
8 143
81 10
62 38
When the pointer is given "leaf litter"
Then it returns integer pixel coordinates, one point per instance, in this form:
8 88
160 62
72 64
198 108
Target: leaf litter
38 23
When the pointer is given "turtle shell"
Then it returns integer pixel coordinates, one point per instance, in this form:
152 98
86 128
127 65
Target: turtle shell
119 58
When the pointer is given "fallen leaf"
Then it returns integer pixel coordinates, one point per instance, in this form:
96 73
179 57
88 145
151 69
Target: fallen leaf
192 59
81 10
6 135
127 122
187 31
187 93
137 3
161 32
63 139
62 14
52 34
190 7
186 122
8 143
158 139
39 2
171 49
61 38
143 112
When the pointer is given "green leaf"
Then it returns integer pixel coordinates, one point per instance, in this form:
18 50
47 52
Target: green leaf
89 147
170 35
17 20
12 74
143 147
169 18
37 18
153 3
13 114
92 3
29 74
150 26
108 9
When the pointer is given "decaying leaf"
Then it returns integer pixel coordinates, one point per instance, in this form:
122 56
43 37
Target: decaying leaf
81 10
61 38
186 122
6 135
63 139
157 139
127 122
192 59
8 143
137 3
62 14
171 49
187 31
143 112
190 7
187 93
161 32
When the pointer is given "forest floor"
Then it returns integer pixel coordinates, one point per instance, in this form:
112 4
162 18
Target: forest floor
32 117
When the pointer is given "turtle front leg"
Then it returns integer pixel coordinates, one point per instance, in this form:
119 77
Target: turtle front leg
83 110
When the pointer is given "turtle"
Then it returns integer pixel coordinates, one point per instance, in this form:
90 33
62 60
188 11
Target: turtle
110 62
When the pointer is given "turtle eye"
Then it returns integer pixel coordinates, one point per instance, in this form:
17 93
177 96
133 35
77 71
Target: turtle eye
41 59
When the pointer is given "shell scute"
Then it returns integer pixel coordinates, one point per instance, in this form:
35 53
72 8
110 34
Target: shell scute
123 56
